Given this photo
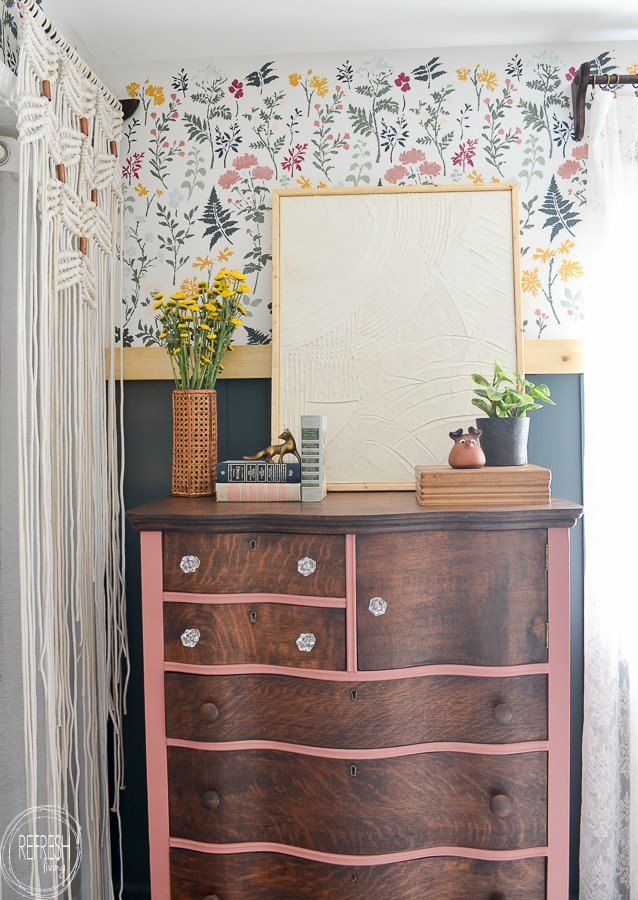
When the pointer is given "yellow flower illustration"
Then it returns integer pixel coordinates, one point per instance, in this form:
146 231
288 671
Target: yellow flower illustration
632 69
566 246
202 263
189 287
463 73
140 190
320 85
531 282
294 79
159 193
322 184
303 182
224 255
489 79
475 177
131 89
543 255
157 93
570 269
495 180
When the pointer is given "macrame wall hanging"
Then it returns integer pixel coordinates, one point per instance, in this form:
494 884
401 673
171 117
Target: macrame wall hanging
75 662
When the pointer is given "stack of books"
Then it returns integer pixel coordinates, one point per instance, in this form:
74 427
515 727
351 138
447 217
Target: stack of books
241 479
438 486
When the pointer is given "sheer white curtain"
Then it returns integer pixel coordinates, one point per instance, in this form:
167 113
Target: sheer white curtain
609 823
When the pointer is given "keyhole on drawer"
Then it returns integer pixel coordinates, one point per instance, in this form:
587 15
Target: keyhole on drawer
252 615
353 694
354 877
353 771
253 545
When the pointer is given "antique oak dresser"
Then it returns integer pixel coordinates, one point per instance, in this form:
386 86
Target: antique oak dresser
358 698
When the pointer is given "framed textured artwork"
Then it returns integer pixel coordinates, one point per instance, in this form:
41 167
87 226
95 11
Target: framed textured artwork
385 301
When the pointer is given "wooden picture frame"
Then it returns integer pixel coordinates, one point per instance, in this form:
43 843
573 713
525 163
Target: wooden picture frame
385 301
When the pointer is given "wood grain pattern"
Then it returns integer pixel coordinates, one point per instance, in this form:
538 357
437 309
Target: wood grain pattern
229 636
390 805
343 513
272 876
256 562
381 713
452 597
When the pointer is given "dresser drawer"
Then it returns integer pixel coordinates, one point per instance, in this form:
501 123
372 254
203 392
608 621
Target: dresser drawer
275 634
274 876
451 597
359 806
356 714
307 564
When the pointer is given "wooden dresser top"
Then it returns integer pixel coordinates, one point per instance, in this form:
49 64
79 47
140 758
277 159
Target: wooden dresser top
343 513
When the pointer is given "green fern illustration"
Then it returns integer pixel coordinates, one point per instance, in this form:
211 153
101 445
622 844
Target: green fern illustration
559 211
261 77
429 71
219 221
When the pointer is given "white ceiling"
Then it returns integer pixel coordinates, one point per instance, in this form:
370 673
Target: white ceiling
133 31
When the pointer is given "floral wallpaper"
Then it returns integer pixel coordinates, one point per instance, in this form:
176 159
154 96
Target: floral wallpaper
211 139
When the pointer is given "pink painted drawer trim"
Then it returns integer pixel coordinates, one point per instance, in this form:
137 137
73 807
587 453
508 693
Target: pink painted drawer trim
221 599
372 753
373 675
364 860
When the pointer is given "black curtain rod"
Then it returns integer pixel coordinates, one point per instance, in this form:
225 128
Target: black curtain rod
579 92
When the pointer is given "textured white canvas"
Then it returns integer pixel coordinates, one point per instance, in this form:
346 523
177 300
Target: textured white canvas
388 302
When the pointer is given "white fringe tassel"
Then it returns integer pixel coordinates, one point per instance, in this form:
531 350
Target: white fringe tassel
75 656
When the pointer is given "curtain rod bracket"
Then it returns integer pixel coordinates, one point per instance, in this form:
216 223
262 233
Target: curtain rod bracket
129 106
579 93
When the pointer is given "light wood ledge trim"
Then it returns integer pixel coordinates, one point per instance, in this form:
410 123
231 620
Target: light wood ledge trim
554 357
153 364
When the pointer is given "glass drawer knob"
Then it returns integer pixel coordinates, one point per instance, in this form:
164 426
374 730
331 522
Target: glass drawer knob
306 566
190 637
189 564
306 641
377 606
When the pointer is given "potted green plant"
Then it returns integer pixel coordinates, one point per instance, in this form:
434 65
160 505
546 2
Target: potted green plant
505 402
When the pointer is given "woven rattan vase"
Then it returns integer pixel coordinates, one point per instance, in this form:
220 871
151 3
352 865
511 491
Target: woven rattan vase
194 443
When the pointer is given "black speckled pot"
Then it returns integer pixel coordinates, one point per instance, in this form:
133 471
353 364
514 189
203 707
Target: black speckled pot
504 441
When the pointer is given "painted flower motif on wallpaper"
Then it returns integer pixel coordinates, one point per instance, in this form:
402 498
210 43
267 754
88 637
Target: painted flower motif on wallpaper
206 148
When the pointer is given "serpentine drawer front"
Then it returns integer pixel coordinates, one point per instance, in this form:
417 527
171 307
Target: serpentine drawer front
264 876
311 565
351 714
267 633
358 699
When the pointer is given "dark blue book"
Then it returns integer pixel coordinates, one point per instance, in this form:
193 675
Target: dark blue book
249 471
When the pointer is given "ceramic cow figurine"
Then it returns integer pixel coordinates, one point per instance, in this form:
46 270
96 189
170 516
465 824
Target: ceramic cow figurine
466 452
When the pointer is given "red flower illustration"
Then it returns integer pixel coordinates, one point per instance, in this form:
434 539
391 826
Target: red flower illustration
430 168
237 89
411 157
228 179
262 172
395 174
571 74
245 162
403 81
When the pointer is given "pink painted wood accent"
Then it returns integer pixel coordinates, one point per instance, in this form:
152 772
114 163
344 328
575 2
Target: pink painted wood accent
372 753
558 713
364 859
156 767
376 675
289 599
351 603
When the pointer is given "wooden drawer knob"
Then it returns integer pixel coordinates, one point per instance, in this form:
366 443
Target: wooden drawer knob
500 806
502 713
209 711
210 799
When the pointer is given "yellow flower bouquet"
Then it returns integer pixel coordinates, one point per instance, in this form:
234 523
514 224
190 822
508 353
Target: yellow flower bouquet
198 331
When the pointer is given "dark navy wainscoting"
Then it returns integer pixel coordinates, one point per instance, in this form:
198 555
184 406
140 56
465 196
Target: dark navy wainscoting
244 427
